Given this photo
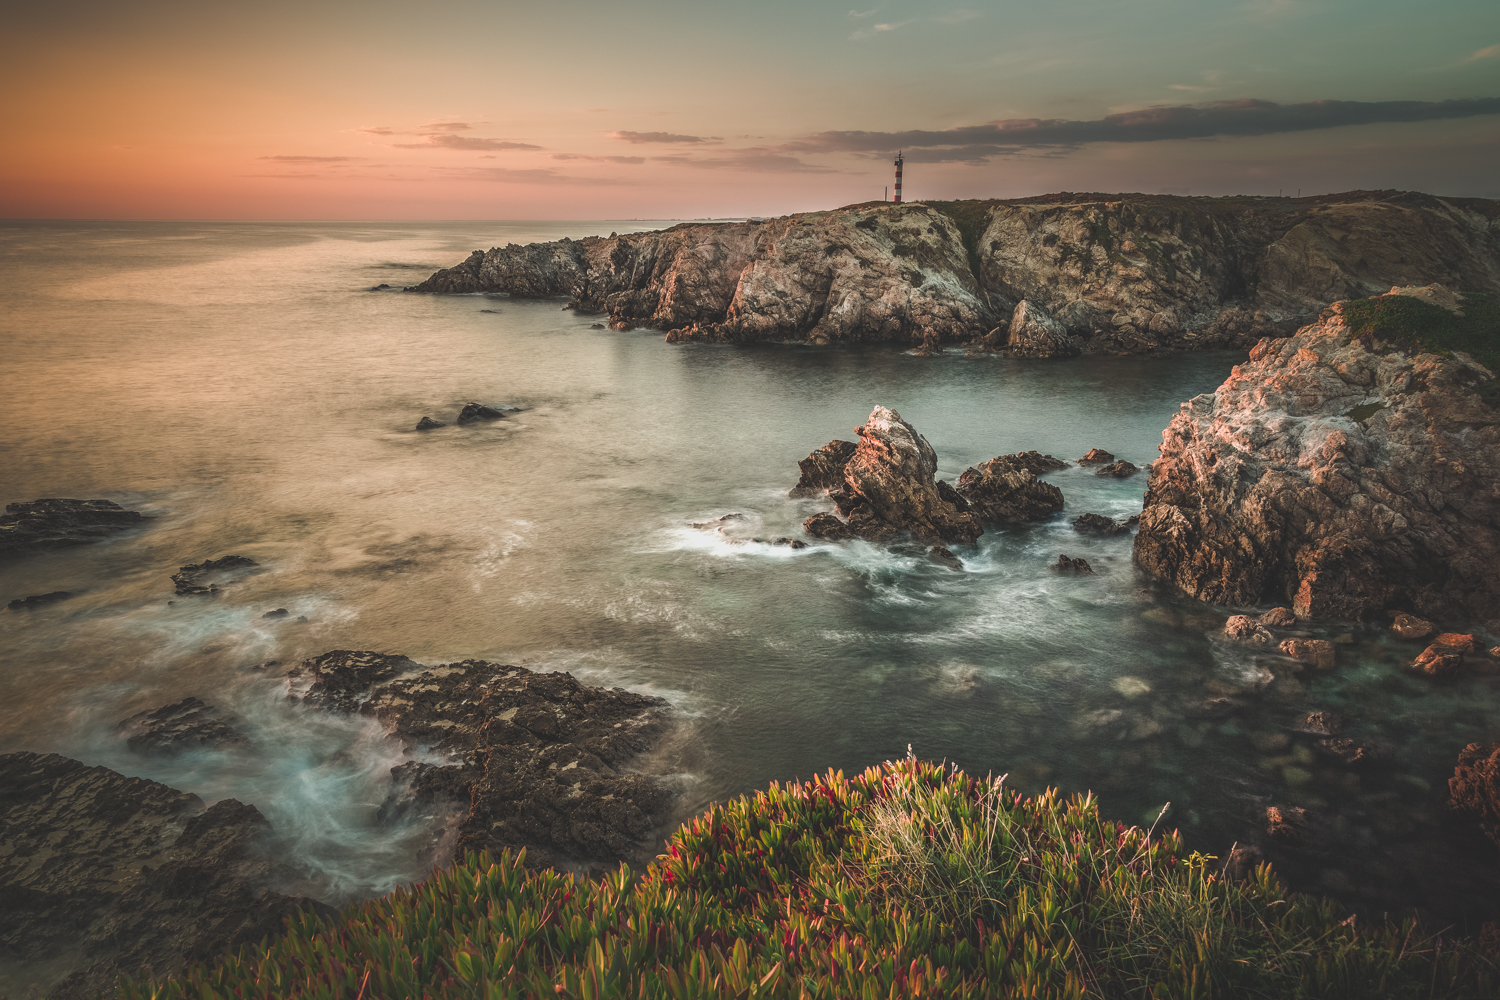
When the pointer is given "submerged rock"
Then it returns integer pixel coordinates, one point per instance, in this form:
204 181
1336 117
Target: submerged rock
473 412
428 424
58 523
1098 524
1316 652
38 600
1072 567
1004 493
102 874
1243 628
205 577
1475 786
189 724
939 554
823 470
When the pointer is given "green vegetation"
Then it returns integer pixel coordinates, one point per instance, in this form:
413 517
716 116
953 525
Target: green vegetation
909 880
1406 324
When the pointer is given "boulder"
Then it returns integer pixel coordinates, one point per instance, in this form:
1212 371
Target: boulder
1324 723
189 724
58 523
278 613
1072 567
1002 493
428 424
1316 652
939 554
1474 788
823 470
1411 627
473 412
1277 618
1445 656
889 489
1243 628
1096 456
1336 471
38 600
1035 334
205 577
102 874
1286 823
1098 524
1117 470
1033 461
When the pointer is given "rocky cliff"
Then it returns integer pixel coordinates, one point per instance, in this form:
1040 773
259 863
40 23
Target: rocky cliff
1062 274
1351 469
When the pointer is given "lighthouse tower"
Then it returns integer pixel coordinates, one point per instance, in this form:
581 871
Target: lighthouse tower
899 162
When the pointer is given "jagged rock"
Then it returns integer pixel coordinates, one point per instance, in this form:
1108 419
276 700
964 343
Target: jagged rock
783 541
1033 461
278 613
1096 456
823 470
1070 566
1286 823
1342 476
719 522
38 600
1347 751
1002 493
428 424
1475 786
1243 628
1117 470
1035 334
101 874
1277 618
1098 524
189 724
939 554
57 523
473 412
342 679
538 759
889 488
1317 652
1324 723
1411 627
205 577
1445 656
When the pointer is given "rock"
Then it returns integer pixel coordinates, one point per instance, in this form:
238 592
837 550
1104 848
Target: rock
1117 470
1215 708
1433 294
205 577
823 470
1243 628
57 523
597 326
1338 473
1002 493
38 600
1096 456
538 760
783 541
1445 656
1411 627
1035 334
478 411
1475 786
1073 567
1346 751
1323 722
378 288
889 488
278 613
828 527
1277 618
1242 861
1317 652
939 554
104 874
1286 823
428 424
341 679
1098 524
189 724
719 523
1033 461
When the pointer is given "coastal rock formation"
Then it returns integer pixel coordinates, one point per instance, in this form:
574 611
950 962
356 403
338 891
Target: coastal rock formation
205 577
101 874
1339 470
428 424
1411 627
57 523
38 600
189 724
1444 656
889 487
1098 524
1475 786
1033 461
1117 470
823 470
1003 493
1070 566
1115 274
536 760
473 412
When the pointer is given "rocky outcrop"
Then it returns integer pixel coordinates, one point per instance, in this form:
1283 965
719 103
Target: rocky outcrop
889 488
1445 656
205 577
1098 524
1410 626
1003 493
823 470
101 874
1114 274
58 523
1070 566
1096 456
1032 461
1339 471
536 760
1117 470
189 724
428 424
1474 788
473 412
38 600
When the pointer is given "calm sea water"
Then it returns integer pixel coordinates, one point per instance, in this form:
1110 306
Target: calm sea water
241 384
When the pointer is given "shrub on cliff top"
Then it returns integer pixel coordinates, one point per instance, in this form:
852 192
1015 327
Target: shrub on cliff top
908 880
1404 323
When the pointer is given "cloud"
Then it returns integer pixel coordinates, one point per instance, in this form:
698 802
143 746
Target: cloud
756 159
880 29
1488 52
445 127
310 159
1218 118
645 137
599 159
291 177
450 141
857 14
377 130
541 175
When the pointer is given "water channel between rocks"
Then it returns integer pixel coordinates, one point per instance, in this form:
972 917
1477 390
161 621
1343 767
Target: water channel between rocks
239 383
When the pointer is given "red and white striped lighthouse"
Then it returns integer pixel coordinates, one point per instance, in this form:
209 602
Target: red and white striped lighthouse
899 162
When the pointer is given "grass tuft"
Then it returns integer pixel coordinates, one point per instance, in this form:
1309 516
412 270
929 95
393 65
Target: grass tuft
1407 324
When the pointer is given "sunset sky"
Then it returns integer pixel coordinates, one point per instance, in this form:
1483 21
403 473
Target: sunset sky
674 109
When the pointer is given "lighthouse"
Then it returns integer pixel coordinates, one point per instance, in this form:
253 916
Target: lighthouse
899 162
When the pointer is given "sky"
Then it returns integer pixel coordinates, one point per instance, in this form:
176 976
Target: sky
659 109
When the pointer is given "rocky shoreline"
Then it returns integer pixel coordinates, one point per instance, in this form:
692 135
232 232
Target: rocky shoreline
1051 276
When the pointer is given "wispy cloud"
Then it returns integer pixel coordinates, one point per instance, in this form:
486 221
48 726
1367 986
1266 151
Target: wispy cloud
1488 52
445 127
1245 117
599 159
881 29
757 159
640 138
311 159
448 140
506 175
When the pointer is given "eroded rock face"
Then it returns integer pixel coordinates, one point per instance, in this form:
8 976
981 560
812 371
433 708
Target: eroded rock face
58 523
1034 333
1002 493
1098 524
823 470
890 488
101 874
1475 786
538 760
1343 477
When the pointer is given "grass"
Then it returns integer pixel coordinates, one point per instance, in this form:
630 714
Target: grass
1406 324
908 880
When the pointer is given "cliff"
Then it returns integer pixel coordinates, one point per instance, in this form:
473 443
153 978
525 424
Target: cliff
1116 274
1351 469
